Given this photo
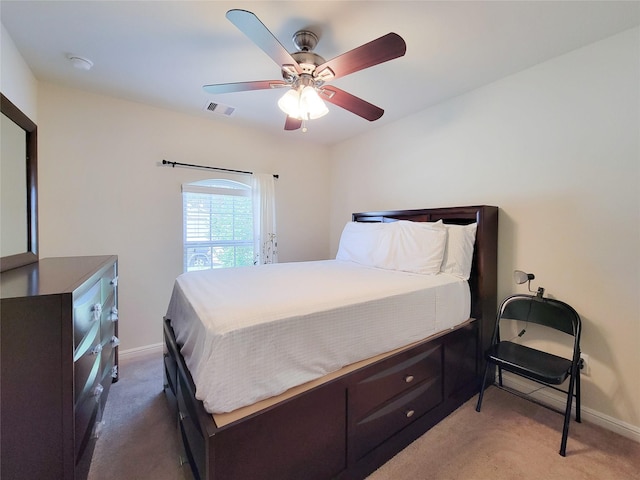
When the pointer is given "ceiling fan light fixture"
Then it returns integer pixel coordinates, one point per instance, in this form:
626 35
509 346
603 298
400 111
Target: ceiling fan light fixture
303 103
311 105
289 103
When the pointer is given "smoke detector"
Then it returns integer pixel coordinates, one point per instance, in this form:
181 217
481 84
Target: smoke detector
80 63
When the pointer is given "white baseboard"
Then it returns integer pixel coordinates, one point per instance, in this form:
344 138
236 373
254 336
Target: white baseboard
136 352
557 401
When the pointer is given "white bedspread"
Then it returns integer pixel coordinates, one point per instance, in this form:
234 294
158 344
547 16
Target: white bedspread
250 333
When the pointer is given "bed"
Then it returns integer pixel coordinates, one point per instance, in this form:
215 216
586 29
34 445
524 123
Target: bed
354 402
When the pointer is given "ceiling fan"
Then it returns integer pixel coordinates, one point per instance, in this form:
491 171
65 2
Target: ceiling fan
306 73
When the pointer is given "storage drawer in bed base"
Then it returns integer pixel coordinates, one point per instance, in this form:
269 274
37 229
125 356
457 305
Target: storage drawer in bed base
307 436
190 433
170 391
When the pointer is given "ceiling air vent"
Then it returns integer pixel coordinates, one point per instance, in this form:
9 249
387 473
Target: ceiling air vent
219 109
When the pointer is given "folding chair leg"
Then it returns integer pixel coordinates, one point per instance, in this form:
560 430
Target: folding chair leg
578 396
567 418
484 382
499 375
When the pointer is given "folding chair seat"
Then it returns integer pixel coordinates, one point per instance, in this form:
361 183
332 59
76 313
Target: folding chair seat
537 365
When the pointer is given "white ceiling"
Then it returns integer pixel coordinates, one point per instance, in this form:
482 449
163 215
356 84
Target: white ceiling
163 52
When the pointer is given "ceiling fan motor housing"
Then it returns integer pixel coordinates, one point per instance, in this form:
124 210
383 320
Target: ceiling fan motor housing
304 41
308 61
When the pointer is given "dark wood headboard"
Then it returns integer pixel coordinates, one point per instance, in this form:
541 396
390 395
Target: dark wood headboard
484 271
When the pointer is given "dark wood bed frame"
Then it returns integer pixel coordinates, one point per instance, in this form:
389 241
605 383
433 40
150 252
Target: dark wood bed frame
349 426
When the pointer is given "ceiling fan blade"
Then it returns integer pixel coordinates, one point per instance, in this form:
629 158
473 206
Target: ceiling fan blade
377 51
350 102
292 123
253 28
244 86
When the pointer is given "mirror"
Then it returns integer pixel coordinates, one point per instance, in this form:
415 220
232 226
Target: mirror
18 188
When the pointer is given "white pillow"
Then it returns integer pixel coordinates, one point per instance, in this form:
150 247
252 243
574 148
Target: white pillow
364 243
418 247
458 253
415 247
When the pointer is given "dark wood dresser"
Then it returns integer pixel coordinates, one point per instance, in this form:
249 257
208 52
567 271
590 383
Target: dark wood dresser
58 336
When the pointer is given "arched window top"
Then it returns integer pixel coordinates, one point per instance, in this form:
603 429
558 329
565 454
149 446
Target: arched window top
217 186
220 183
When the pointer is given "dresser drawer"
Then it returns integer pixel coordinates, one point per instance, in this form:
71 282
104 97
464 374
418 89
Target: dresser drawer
369 393
108 369
109 317
109 282
106 379
86 412
87 360
389 419
87 312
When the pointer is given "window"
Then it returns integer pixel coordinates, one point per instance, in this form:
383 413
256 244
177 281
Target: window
217 224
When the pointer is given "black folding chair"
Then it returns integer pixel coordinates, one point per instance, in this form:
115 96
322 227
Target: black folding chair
537 365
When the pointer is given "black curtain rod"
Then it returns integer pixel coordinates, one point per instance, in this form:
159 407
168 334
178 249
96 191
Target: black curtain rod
173 164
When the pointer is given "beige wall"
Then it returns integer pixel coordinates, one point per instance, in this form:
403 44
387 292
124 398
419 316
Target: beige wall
556 147
17 82
102 192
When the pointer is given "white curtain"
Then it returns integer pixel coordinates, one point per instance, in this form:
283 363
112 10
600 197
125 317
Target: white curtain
265 241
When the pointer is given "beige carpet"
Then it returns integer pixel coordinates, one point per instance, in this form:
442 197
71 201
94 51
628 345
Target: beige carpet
510 439
139 438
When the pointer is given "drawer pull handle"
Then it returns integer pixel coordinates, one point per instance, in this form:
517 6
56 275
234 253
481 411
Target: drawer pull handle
97 429
97 311
115 341
409 413
96 350
408 378
114 281
98 391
